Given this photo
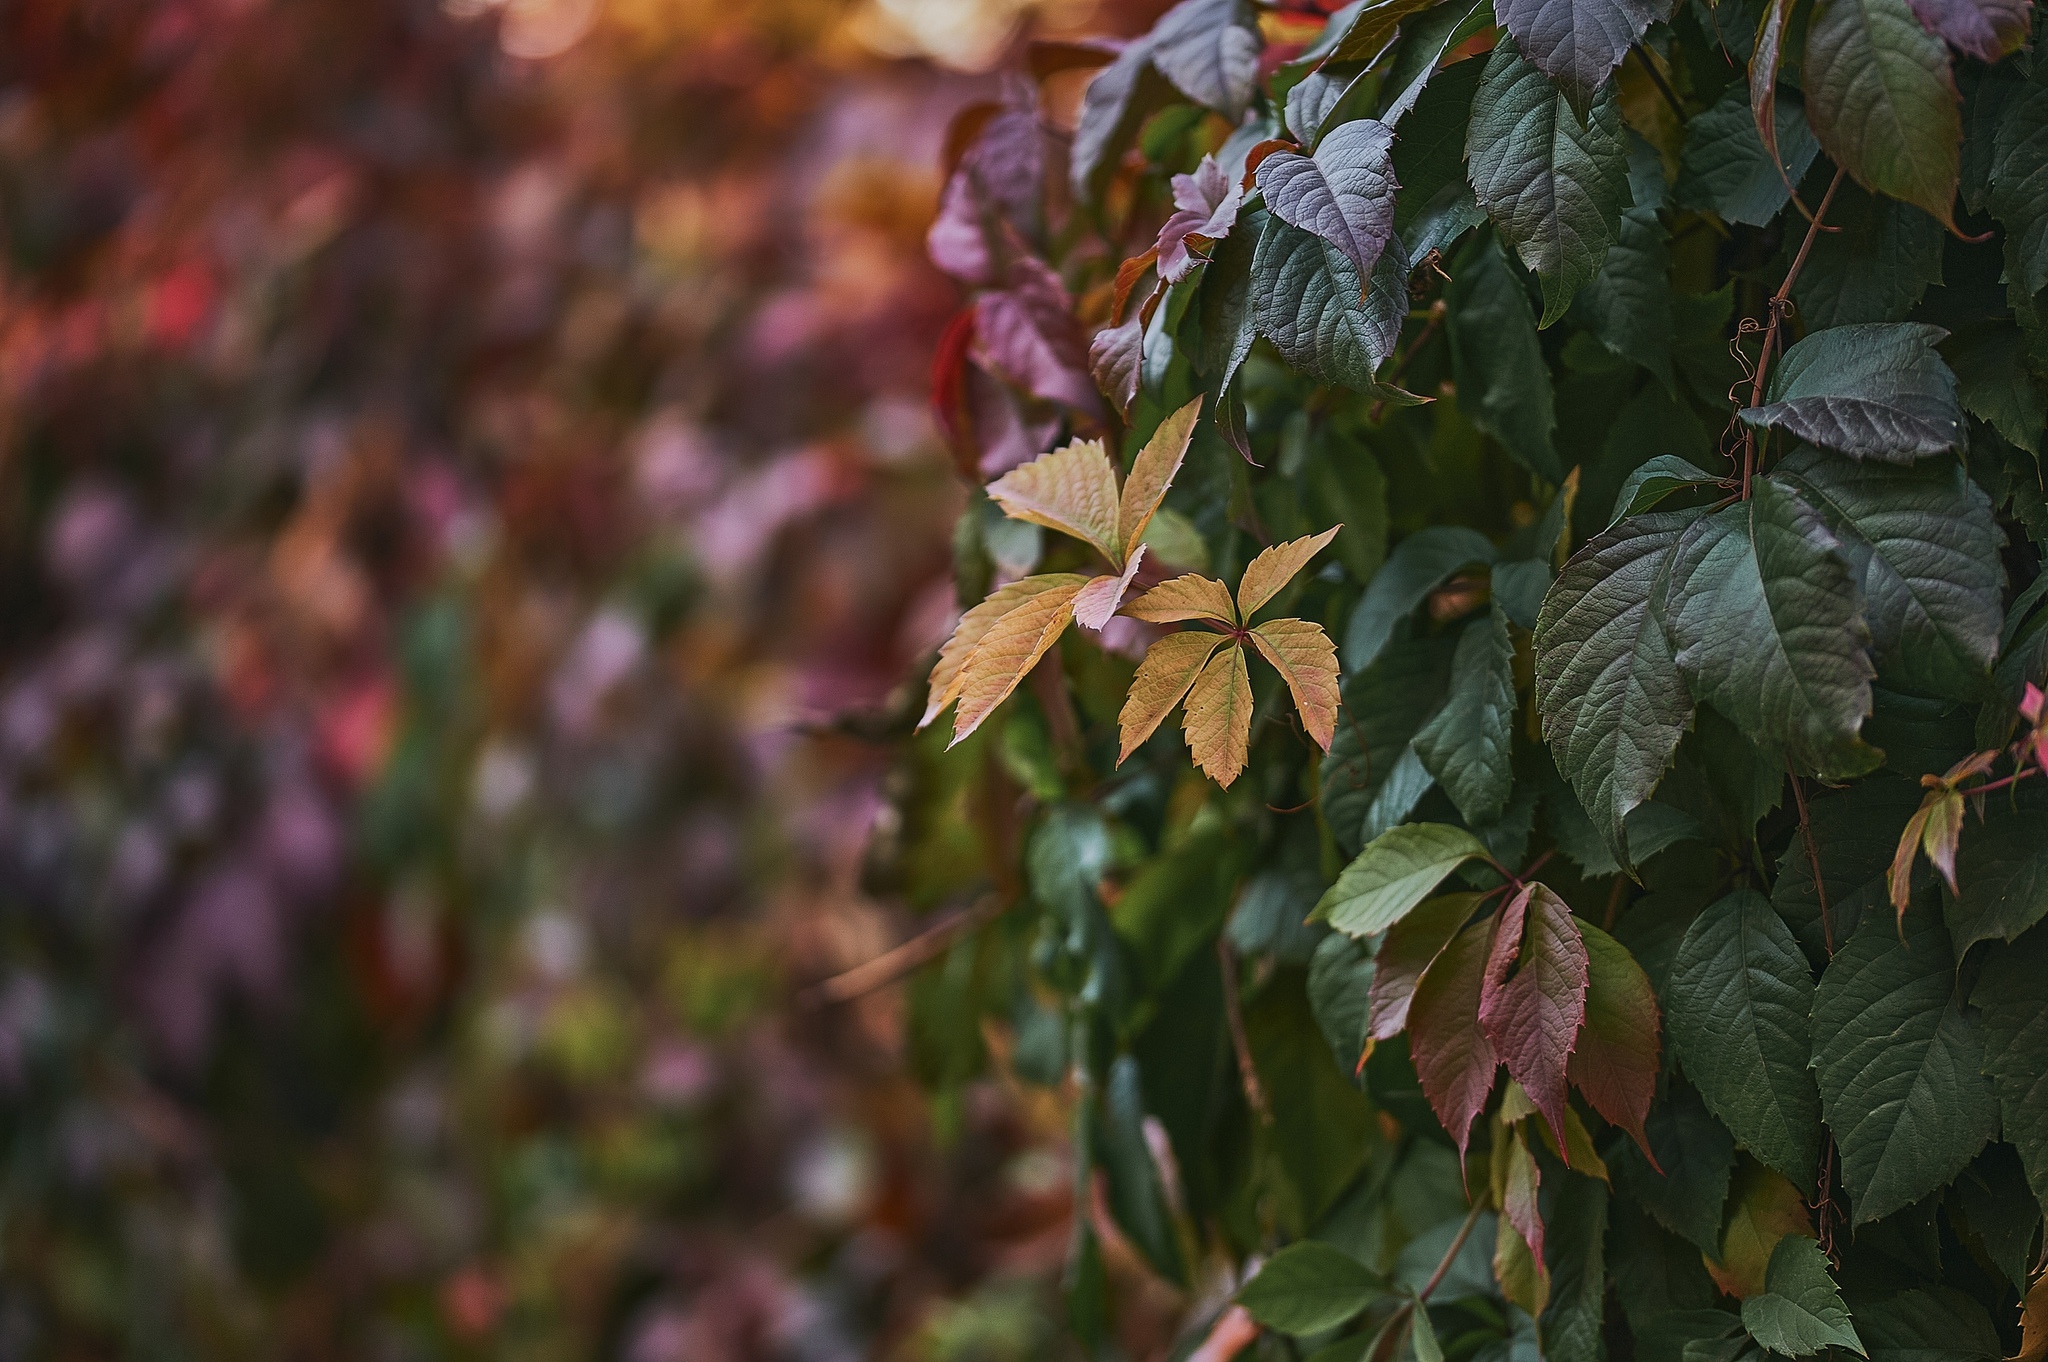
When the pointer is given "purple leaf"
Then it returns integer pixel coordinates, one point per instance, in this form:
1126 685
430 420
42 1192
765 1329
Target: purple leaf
1114 357
1984 29
1026 334
1207 202
1343 194
1534 997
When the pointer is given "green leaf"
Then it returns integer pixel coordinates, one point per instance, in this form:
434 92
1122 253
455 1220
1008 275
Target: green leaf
1135 1195
1435 204
1553 185
1897 1062
1882 101
1998 383
1875 391
1999 1211
1609 691
2002 871
1578 43
1310 306
1628 304
1575 1251
2011 996
1425 40
1468 745
1855 830
1697 1155
1725 167
1662 476
2019 189
1875 268
1737 1004
1371 760
1427 1348
1767 620
1928 545
1418 565
1309 1287
1396 871
1341 976
1934 1324
1497 360
1800 1311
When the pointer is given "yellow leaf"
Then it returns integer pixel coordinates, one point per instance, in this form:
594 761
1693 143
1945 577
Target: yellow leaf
1100 598
1169 669
1010 648
1190 597
1307 661
1218 725
2034 1322
1767 1208
973 625
1072 490
1275 568
1152 473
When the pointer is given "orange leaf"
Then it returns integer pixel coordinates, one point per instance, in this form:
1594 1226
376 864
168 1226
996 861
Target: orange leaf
1100 598
1899 879
1189 597
1766 1209
1011 648
1072 490
1218 726
1152 473
2034 1322
1169 669
1275 568
1307 661
973 626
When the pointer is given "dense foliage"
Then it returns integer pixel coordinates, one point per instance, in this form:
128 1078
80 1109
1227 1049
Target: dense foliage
1647 400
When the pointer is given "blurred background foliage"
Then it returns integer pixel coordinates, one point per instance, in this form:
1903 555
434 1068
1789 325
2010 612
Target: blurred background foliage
467 496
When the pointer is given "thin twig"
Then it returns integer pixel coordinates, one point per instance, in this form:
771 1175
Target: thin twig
1422 338
1820 886
1458 1242
1780 301
1247 1072
898 961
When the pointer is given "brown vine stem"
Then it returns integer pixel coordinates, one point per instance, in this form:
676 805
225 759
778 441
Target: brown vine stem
1780 301
1444 1266
1820 887
898 961
1247 1072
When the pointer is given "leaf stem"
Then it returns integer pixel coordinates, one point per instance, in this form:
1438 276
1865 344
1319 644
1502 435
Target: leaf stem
898 961
1820 886
1657 79
1779 304
1443 1267
1247 1072
1422 338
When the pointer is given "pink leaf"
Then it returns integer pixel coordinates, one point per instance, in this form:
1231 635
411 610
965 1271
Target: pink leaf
1534 996
1027 333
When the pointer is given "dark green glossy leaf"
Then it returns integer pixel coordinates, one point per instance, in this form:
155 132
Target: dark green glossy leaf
1928 547
1882 101
1874 391
1309 1287
1725 167
1503 381
1767 619
1467 746
1578 43
1933 1324
2019 188
1135 1195
1310 305
1897 1061
1697 1156
2011 996
1875 268
2002 871
1435 204
1737 1004
1554 185
1628 304
1418 565
1800 1311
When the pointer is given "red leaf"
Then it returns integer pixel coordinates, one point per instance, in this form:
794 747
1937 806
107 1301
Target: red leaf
1453 1057
1534 996
1409 947
1616 1059
950 407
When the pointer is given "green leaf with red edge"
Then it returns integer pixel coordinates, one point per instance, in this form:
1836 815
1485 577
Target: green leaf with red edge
1534 997
1615 1061
1453 1058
